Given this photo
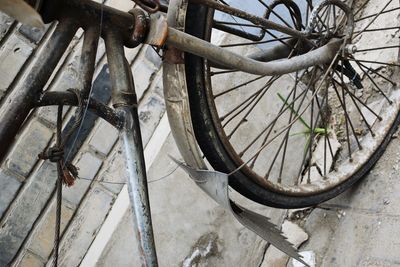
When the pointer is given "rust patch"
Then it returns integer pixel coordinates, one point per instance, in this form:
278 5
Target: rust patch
174 56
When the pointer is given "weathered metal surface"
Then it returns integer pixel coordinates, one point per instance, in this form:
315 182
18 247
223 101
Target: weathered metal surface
176 97
158 30
88 13
70 99
23 12
141 25
88 59
315 19
126 105
151 6
175 56
215 184
23 98
137 186
223 57
122 82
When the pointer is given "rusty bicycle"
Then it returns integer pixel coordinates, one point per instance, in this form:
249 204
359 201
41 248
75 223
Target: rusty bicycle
290 102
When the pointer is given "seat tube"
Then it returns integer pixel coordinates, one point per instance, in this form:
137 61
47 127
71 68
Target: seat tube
125 102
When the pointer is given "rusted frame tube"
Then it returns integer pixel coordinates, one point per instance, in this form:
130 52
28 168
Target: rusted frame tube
278 51
22 99
88 59
223 57
89 13
125 102
70 99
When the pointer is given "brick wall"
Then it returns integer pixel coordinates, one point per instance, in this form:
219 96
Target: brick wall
27 199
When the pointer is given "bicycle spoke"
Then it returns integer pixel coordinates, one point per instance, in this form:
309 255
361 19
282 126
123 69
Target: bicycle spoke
237 24
361 8
238 86
237 108
255 43
326 139
358 109
348 122
377 48
373 19
279 40
311 140
373 15
322 21
286 140
374 62
282 111
271 127
335 25
250 98
243 31
374 83
328 16
273 12
380 29
305 132
257 99
377 73
361 102
272 123
213 73
291 108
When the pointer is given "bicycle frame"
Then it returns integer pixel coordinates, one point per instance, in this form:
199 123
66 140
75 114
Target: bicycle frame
120 29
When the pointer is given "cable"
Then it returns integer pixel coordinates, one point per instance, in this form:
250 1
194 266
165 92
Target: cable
123 183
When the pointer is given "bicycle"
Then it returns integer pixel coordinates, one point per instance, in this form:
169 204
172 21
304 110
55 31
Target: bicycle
331 105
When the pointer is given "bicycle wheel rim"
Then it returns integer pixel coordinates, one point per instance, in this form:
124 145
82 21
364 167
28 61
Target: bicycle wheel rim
304 190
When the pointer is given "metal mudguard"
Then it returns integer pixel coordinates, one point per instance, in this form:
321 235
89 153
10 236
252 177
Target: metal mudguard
215 184
176 95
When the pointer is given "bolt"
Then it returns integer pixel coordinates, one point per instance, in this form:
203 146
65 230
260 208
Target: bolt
351 49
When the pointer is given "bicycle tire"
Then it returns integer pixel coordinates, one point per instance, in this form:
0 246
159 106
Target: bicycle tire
208 133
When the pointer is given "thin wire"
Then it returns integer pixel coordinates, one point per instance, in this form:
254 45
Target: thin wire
124 183
58 192
87 102
238 23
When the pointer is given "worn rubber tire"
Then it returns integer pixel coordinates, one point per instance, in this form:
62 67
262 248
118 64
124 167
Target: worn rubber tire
214 150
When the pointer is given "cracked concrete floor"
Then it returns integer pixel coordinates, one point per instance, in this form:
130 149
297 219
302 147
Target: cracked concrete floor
360 227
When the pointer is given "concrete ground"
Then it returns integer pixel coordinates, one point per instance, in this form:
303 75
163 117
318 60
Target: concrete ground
360 228
357 229
190 228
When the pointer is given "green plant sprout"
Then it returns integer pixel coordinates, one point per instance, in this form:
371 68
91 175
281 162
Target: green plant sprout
317 131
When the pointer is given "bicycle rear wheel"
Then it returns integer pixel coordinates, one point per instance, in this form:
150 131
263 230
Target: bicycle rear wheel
298 139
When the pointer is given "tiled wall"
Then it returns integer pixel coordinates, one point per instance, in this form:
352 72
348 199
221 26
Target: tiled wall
27 199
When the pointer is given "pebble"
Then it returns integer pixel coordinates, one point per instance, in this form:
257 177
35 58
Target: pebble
308 257
341 213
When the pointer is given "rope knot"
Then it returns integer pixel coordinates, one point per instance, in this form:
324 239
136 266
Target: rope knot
54 154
